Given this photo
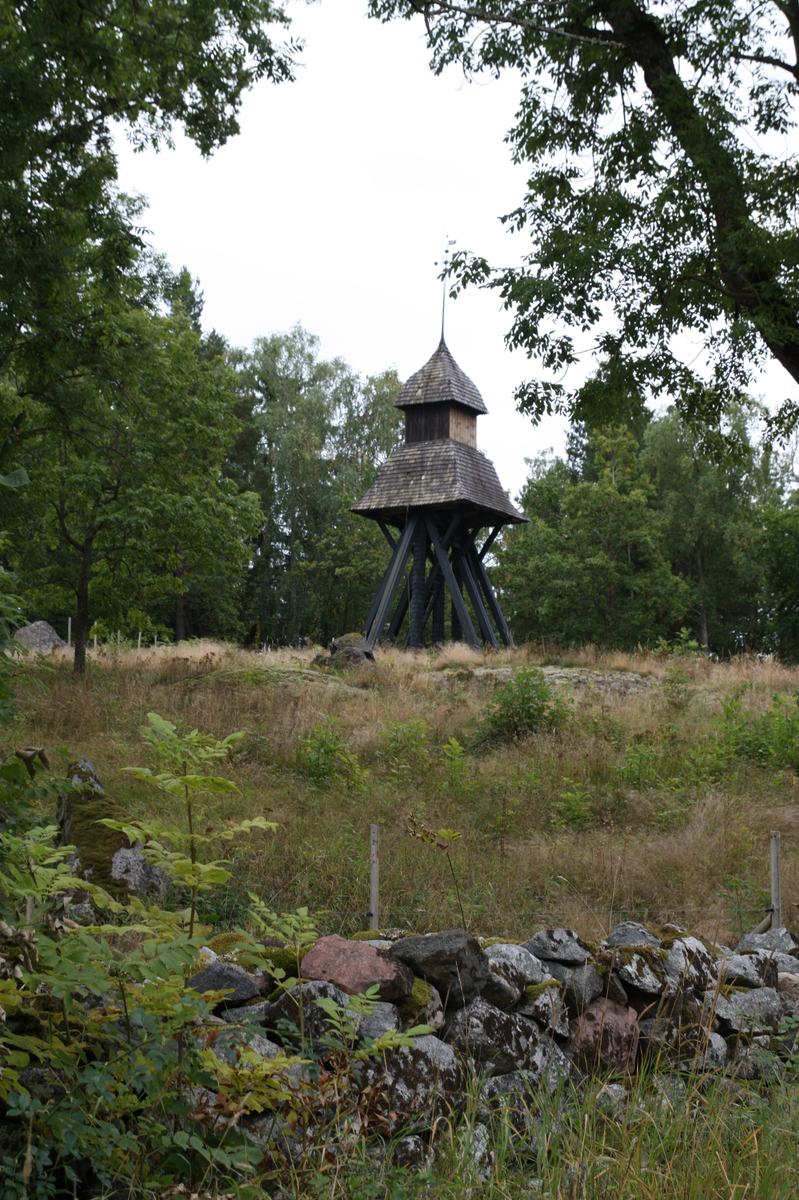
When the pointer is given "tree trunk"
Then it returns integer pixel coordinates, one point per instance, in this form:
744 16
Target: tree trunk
180 603
180 617
82 600
702 608
746 273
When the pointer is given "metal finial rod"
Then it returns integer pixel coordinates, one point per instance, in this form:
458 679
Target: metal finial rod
448 241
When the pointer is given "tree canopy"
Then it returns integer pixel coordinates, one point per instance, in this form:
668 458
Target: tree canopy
663 191
70 72
644 533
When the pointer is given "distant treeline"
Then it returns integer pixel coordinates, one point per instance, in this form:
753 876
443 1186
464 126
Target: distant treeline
641 533
186 488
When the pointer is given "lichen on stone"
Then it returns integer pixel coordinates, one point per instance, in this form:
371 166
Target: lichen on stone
411 1005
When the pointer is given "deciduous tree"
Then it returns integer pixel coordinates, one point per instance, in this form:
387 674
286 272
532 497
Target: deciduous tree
663 195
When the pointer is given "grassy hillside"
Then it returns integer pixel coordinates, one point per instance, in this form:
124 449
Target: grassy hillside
652 798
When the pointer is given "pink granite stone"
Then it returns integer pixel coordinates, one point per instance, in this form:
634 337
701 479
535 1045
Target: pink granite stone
605 1037
355 966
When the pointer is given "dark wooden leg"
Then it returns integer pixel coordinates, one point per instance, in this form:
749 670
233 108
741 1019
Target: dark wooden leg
416 631
454 587
389 584
489 637
481 576
438 614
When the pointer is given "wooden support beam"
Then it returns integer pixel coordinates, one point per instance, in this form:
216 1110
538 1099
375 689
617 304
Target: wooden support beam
418 570
390 583
477 601
438 600
481 576
386 533
459 607
399 612
489 542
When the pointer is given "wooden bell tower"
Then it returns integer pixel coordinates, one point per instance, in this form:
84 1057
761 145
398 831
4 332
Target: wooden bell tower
438 492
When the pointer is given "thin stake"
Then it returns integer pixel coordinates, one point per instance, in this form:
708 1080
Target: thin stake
117 637
95 641
776 882
155 642
69 633
139 645
374 877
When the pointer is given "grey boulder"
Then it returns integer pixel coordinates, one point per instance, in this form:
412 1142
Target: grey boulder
690 964
748 970
495 1040
415 1084
39 637
222 976
772 939
548 1010
560 945
384 1019
640 973
582 984
630 933
284 1012
756 1010
452 962
511 970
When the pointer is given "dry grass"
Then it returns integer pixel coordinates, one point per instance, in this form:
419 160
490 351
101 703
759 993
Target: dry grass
555 828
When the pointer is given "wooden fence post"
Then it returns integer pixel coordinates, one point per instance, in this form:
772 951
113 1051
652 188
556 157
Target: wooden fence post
374 877
776 882
69 633
139 645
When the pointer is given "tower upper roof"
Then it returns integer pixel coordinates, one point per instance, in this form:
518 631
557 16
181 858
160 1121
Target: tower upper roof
440 380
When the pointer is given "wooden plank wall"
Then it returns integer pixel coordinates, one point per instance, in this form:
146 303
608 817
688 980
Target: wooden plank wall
463 426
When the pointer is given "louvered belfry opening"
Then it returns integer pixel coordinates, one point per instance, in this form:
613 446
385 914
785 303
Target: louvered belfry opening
440 505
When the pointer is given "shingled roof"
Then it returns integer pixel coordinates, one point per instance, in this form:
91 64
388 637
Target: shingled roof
438 475
440 380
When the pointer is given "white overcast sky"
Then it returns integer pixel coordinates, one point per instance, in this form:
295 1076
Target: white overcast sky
331 205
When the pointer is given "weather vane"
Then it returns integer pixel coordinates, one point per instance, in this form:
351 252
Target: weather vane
444 262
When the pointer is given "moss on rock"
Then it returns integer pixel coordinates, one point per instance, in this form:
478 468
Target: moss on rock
411 1005
96 845
283 958
366 935
223 942
531 993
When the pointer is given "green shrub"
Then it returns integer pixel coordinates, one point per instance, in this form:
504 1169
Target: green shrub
770 739
524 705
405 744
326 756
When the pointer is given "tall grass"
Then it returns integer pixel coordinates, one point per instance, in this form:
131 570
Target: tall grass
639 804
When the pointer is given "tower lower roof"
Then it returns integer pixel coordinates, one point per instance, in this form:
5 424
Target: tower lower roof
441 475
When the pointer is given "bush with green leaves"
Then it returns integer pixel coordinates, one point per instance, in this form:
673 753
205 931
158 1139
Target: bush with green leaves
325 756
769 739
524 705
184 759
